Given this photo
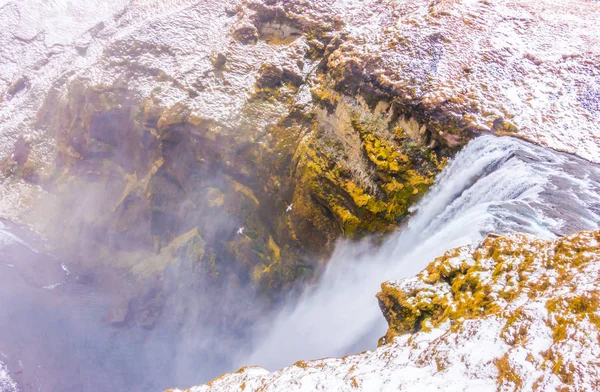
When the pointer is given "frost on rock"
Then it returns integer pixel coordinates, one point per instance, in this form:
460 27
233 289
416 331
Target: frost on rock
514 313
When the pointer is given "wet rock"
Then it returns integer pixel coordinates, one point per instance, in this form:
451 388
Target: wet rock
271 76
502 125
19 163
351 158
292 77
21 151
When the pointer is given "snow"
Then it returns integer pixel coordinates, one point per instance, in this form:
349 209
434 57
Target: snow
494 185
7 384
399 366
532 63
465 356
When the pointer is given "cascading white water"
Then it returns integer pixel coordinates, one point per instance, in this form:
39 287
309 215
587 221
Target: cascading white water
499 185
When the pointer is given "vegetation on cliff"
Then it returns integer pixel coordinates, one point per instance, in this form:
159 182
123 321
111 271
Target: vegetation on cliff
511 313
347 157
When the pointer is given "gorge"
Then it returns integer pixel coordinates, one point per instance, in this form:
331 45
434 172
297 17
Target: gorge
192 187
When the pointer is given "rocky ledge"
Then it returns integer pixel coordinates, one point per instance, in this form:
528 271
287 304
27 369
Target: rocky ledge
510 313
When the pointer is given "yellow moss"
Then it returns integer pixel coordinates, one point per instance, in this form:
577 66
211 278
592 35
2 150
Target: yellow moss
257 273
260 272
325 95
301 364
393 186
350 223
363 199
359 197
570 311
195 120
382 154
506 374
559 331
275 250
150 265
131 182
245 191
406 314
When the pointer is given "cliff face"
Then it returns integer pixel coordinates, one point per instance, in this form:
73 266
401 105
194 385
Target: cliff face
268 162
235 141
512 313
214 117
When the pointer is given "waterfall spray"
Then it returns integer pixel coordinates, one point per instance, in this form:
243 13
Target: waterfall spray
499 185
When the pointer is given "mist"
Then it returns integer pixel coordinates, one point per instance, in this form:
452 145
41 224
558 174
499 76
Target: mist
55 336
65 325
495 185
103 304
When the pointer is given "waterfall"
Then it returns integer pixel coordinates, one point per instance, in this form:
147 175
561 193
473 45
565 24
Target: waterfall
499 185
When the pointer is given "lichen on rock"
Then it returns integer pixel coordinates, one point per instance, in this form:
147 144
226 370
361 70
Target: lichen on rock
541 290
511 313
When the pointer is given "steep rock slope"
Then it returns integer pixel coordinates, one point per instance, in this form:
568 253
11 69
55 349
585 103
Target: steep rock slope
195 120
511 313
180 137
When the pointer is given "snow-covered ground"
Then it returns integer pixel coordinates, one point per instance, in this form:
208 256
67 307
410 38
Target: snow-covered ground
534 64
530 333
531 63
7 384
45 42
529 67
